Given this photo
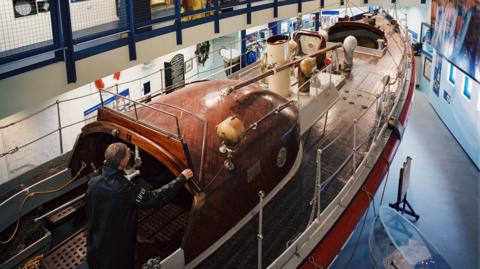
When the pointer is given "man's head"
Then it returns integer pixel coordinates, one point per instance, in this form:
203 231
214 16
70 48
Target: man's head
117 156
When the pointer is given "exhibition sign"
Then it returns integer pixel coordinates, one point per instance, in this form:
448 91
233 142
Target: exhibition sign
456 34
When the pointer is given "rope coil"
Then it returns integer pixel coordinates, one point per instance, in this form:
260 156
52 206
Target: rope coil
33 263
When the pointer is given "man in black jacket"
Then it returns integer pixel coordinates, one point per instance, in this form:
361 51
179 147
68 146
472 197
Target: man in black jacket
112 210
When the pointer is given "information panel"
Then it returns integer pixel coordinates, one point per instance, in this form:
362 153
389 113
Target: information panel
175 71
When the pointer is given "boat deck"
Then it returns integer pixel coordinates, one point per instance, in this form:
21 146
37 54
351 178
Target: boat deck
288 213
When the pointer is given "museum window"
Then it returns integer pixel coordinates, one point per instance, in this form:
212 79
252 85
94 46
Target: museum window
451 74
467 88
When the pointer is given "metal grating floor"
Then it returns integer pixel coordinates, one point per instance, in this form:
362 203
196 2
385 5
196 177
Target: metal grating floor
152 224
69 255
163 227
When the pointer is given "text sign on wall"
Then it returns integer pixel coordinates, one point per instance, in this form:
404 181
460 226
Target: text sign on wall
175 71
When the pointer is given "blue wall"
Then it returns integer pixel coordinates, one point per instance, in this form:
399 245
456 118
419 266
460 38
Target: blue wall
460 115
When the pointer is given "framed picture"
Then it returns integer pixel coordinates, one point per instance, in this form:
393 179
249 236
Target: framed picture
426 34
284 27
43 6
23 8
437 74
188 65
427 68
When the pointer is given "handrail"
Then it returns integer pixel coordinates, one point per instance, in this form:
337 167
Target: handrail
178 136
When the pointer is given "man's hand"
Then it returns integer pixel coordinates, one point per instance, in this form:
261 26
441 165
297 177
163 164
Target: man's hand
187 173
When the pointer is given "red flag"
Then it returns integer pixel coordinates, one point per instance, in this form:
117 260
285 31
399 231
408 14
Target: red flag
116 76
99 84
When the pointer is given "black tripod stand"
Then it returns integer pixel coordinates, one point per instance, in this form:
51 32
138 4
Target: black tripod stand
402 204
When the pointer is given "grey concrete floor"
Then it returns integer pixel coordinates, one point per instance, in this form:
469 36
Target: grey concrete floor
444 191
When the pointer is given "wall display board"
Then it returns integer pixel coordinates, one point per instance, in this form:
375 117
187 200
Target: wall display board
43 6
456 34
427 68
447 97
285 27
309 21
175 71
329 18
24 8
189 65
426 34
437 74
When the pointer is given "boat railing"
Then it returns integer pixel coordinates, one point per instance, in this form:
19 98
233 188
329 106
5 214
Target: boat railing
356 160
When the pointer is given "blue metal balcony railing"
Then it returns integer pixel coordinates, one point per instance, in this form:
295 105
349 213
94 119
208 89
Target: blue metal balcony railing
72 30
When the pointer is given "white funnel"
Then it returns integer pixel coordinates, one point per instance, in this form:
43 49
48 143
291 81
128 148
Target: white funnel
349 46
277 55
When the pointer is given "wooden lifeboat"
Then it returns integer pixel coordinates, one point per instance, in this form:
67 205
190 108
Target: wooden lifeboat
178 130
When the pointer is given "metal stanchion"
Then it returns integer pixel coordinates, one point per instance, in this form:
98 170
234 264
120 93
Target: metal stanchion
325 123
261 195
318 180
354 159
162 86
59 127
135 109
